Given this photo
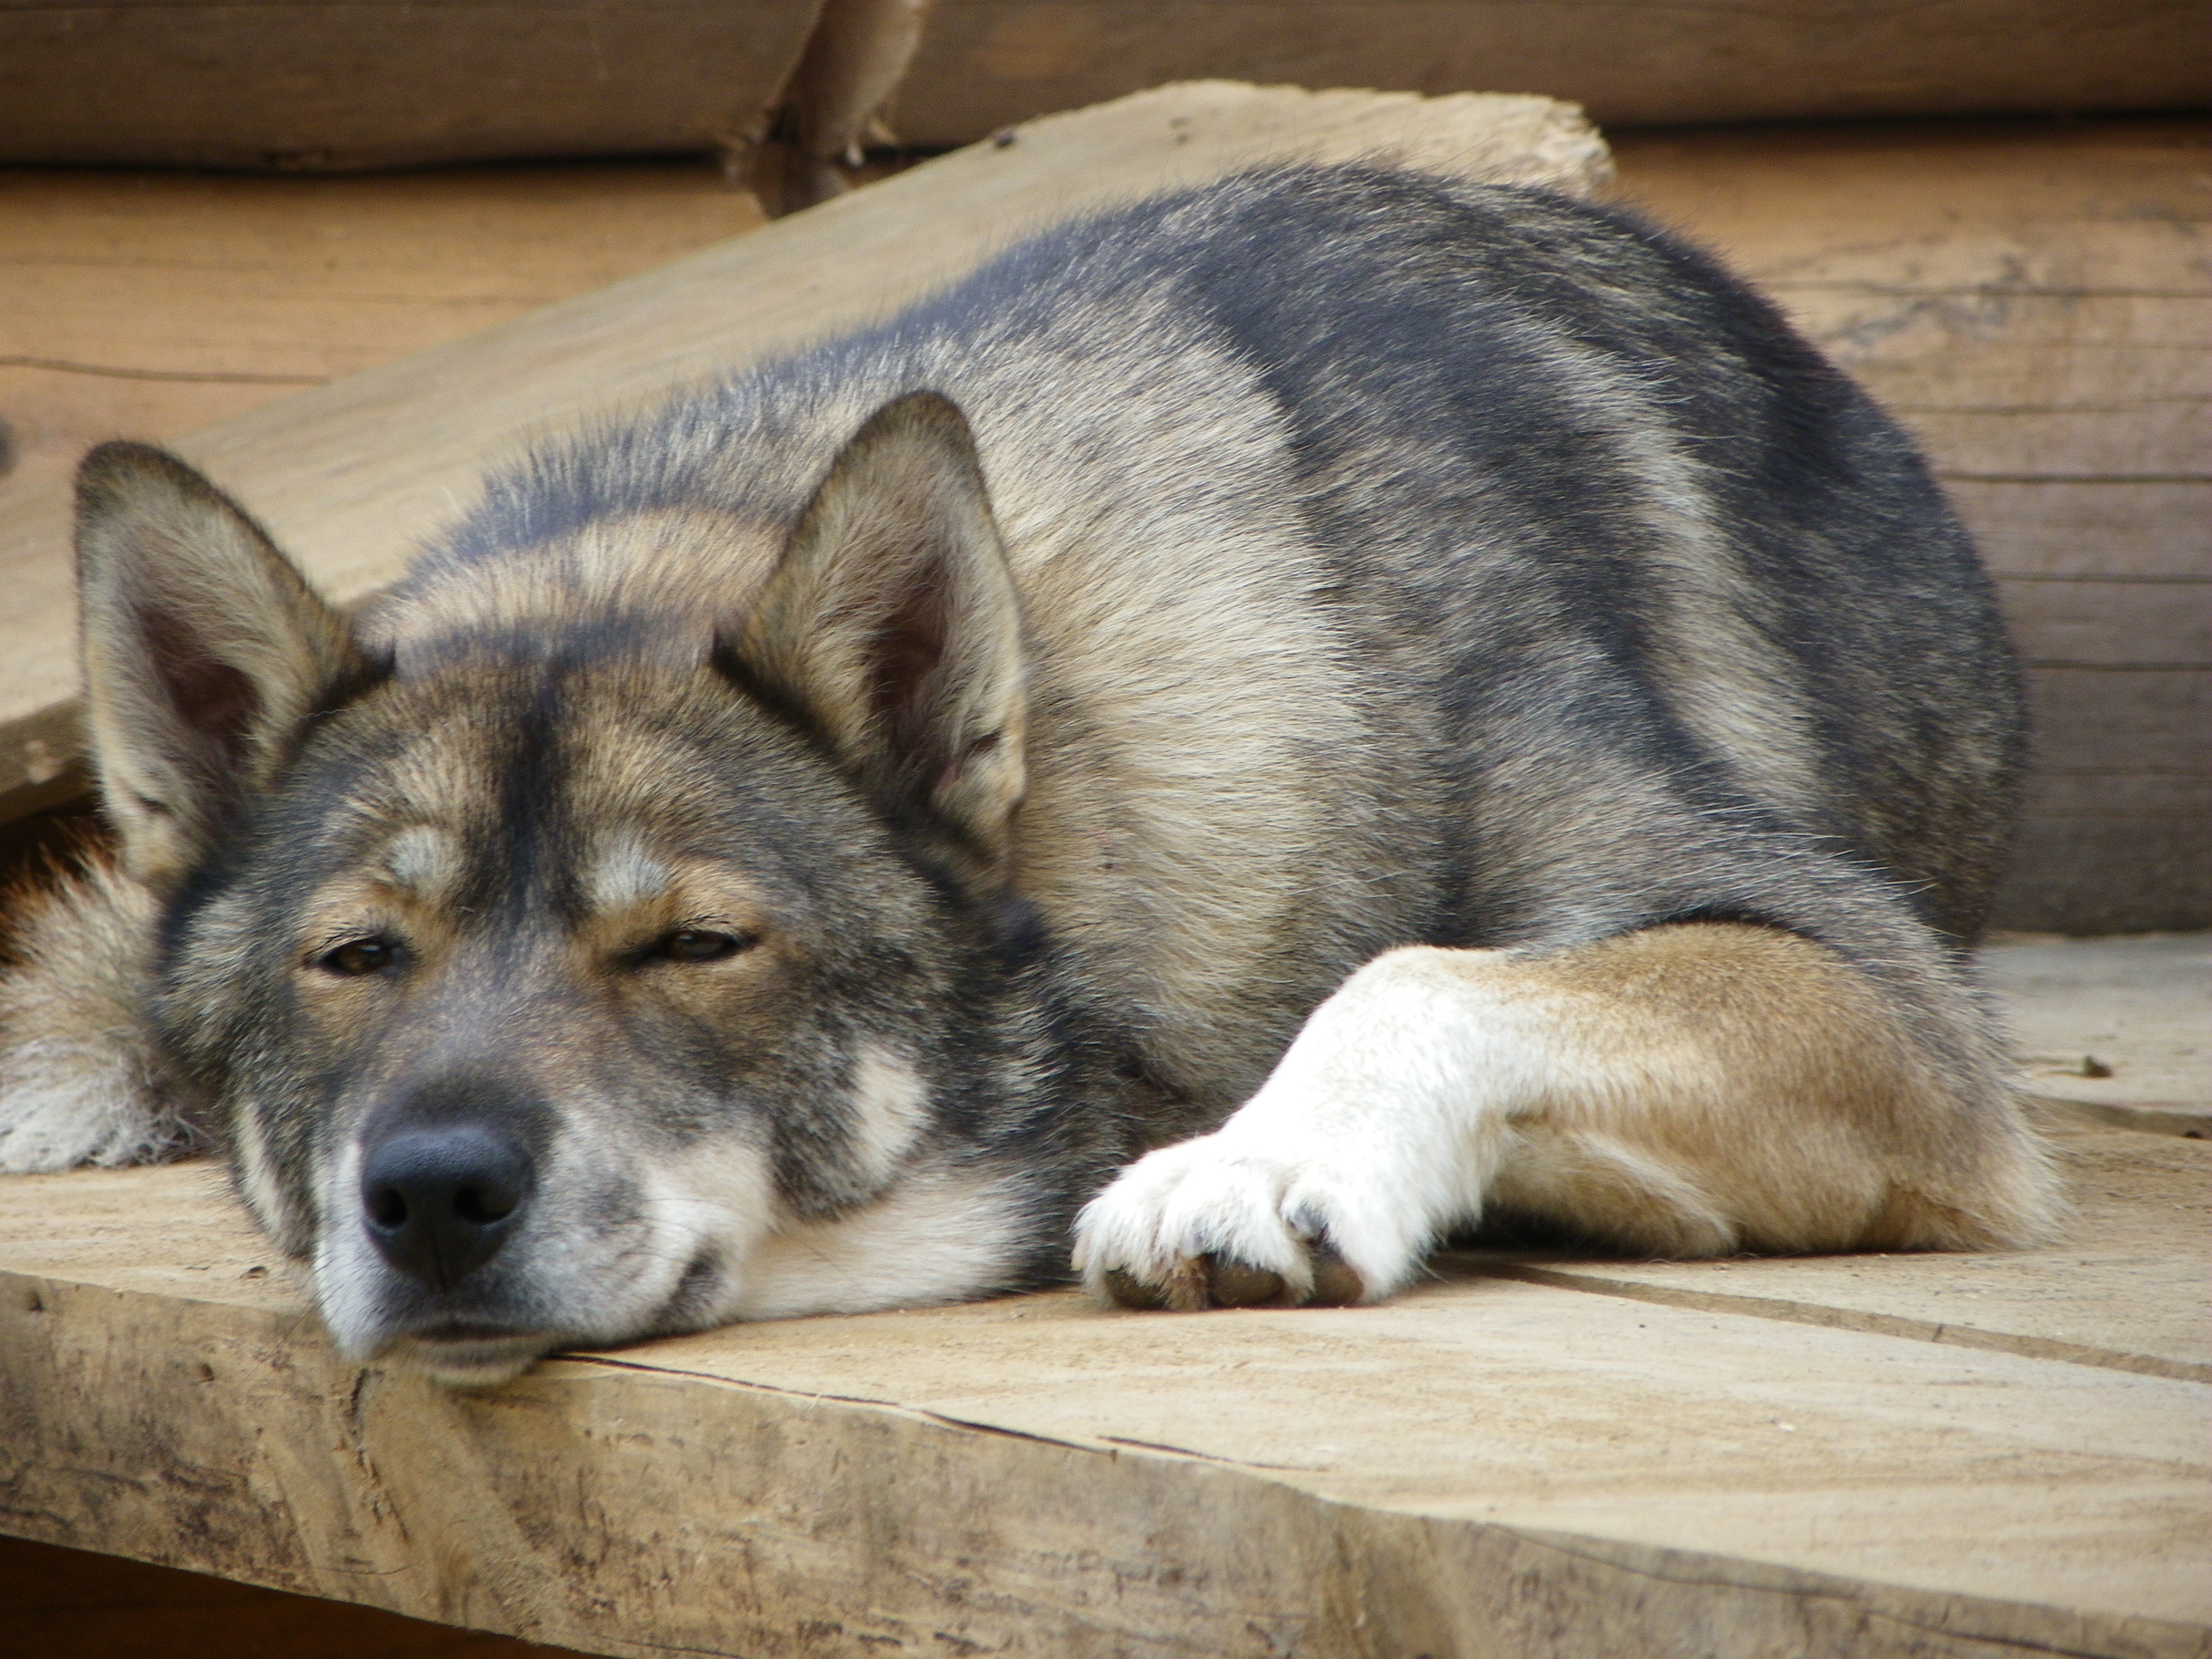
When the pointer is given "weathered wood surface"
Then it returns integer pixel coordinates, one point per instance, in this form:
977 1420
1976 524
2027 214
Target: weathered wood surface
1531 1454
1609 1461
349 474
984 64
2135 1046
316 84
2035 302
154 303
347 83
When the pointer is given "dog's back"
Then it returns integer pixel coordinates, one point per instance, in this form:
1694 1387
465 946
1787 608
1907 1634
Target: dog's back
1445 667
1403 562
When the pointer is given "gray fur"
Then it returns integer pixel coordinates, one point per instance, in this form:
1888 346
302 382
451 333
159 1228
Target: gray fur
1217 597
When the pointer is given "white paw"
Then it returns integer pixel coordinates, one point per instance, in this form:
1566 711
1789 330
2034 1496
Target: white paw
1377 1130
1220 1221
62 1104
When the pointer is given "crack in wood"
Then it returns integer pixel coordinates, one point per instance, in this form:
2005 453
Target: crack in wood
1851 1319
116 372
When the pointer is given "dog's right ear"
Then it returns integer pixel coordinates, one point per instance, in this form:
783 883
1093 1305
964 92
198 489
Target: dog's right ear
893 623
204 651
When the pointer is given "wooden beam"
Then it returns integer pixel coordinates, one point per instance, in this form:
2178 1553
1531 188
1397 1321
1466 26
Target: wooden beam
1900 1455
349 475
984 64
151 304
322 85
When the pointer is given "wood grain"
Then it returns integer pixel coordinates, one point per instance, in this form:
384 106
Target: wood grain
349 475
1728 1458
320 84
314 85
985 63
149 304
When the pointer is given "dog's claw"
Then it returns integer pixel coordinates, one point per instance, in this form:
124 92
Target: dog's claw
1335 1285
1216 1281
1130 1292
1232 1284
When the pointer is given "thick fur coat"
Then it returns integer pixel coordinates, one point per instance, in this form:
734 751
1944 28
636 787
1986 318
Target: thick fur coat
1398 702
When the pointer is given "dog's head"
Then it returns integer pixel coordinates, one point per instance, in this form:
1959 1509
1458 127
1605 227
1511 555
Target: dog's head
576 972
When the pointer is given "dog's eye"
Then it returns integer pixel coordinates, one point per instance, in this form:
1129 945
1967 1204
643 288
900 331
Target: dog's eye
358 956
696 945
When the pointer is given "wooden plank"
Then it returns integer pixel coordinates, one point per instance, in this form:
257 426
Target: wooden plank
349 474
2115 834
2035 301
2071 857
985 63
322 84
1486 1465
2143 1217
2059 529
1980 279
2084 622
147 305
2141 1017
313 84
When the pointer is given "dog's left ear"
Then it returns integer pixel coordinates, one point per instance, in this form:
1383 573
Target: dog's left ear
892 625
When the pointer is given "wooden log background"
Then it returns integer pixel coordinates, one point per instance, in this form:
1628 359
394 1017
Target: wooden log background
2030 298
324 84
2034 300
321 85
984 64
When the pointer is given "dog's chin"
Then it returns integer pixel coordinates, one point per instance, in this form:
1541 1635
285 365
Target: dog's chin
470 1360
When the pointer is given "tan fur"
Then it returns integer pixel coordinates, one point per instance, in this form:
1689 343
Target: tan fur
680 565
80 1083
1694 1090
899 540
1722 1087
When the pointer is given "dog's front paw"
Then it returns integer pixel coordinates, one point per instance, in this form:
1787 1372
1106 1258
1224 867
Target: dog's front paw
1213 1224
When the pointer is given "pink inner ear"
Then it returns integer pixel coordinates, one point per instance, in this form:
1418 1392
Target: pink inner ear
904 652
210 696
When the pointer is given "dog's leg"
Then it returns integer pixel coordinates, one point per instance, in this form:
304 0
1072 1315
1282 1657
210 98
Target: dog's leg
1693 1090
79 1082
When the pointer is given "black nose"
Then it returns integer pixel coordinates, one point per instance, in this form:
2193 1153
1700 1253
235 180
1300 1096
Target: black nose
440 1201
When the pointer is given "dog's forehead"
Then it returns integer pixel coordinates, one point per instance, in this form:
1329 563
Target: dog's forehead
621 870
606 778
515 575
